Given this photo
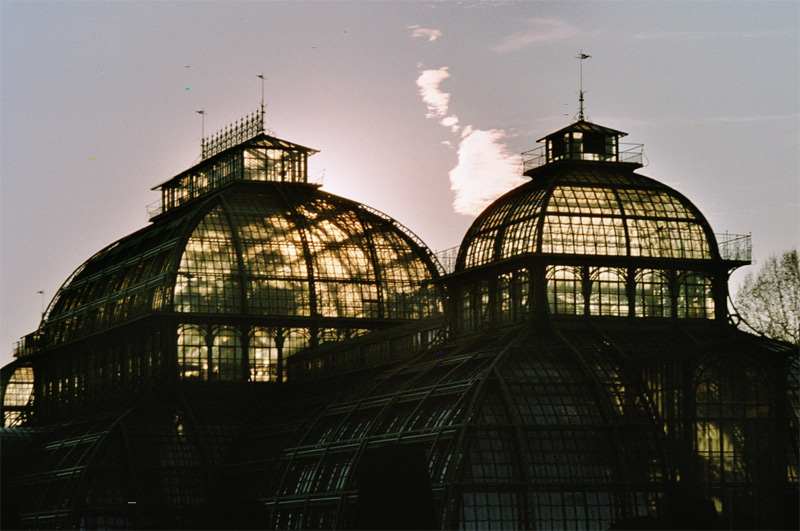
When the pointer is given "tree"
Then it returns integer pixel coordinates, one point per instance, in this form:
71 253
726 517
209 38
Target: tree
769 301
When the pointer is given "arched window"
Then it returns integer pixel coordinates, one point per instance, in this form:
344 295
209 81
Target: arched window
482 302
467 308
263 355
653 298
226 355
521 288
18 396
695 297
192 352
608 295
512 295
293 340
208 279
505 304
564 290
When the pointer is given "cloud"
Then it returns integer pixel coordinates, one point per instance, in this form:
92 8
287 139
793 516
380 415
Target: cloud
436 100
540 30
486 169
431 34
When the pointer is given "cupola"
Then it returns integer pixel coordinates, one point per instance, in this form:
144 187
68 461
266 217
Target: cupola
585 141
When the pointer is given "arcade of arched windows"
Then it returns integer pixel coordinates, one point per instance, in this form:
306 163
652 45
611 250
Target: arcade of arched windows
511 299
585 290
255 354
629 292
113 365
90 370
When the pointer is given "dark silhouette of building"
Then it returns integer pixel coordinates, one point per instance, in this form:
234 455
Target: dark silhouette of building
267 355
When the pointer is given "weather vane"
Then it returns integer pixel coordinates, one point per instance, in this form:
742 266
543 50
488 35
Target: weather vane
41 292
581 56
261 76
202 130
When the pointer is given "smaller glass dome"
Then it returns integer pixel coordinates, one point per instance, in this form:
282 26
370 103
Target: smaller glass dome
589 208
587 236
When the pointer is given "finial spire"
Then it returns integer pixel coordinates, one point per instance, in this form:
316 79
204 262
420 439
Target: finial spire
581 56
261 76
202 112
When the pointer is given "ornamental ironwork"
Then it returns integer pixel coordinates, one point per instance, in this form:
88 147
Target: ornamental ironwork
234 134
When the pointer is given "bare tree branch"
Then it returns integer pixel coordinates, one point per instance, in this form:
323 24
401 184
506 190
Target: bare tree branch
769 301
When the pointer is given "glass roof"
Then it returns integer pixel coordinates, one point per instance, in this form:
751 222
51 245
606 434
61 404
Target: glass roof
253 250
589 209
539 422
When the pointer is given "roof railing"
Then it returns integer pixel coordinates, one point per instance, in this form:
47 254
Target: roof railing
408 232
536 157
447 258
154 209
735 247
28 344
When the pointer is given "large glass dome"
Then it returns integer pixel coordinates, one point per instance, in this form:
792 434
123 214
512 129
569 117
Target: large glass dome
267 250
589 209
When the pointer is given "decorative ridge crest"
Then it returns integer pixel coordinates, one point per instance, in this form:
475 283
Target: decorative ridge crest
235 133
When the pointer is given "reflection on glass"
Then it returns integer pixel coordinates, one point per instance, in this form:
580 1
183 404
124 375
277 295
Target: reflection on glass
695 298
608 296
564 290
653 294
18 396
733 415
226 355
192 353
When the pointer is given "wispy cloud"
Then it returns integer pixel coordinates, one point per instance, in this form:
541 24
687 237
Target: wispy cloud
431 34
486 168
539 30
436 100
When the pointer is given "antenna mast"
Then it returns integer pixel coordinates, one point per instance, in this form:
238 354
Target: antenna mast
41 292
261 76
202 132
581 56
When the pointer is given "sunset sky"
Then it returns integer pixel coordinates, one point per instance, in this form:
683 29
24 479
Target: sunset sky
420 109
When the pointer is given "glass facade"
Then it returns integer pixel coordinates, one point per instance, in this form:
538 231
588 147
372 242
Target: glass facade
18 397
263 158
267 355
321 260
601 239
589 211
523 429
250 277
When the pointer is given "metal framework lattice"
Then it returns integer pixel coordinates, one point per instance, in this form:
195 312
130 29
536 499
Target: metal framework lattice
267 355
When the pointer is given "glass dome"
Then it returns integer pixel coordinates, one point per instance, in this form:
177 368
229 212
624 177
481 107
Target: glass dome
269 250
589 208
587 236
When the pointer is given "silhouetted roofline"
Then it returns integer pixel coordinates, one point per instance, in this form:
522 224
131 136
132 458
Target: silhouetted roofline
585 127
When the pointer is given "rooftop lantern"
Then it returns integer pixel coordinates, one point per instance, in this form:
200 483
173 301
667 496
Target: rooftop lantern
242 151
582 140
